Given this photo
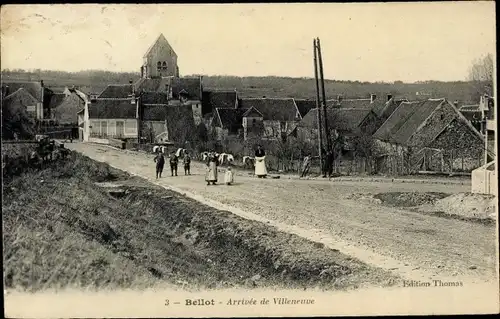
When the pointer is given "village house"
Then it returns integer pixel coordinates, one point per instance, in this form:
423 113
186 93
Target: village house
473 114
428 135
37 104
279 116
65 106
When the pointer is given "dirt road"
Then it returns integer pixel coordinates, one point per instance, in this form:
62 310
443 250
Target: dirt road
410 244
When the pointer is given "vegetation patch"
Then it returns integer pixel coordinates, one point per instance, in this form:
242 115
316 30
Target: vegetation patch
409 199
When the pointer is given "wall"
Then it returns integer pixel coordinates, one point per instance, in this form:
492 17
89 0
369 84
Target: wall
197 114
484 183
161 51
107 128
252 127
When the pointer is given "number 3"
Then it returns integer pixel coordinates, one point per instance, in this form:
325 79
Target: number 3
167 302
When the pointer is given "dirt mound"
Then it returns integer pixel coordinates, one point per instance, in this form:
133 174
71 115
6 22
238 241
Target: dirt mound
409 199
467 206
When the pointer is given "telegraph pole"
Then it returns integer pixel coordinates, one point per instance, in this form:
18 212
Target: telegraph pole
325 118
318 108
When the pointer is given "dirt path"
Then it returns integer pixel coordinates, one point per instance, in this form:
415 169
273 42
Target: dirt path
410 244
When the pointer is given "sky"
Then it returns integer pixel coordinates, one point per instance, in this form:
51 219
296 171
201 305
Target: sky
360 41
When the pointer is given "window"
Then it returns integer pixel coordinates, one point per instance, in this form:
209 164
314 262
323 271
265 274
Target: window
164 65
253 121
158 66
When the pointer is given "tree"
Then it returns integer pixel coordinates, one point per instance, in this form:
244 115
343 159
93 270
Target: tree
481 75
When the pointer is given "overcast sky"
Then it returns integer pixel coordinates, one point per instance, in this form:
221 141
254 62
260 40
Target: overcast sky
365 42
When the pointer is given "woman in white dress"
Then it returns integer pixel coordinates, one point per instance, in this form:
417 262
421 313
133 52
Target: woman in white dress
212 163
260 162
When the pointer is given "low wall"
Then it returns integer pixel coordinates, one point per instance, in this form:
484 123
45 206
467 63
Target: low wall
484 181
98 140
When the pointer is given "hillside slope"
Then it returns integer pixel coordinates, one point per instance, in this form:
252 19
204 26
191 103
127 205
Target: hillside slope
96 81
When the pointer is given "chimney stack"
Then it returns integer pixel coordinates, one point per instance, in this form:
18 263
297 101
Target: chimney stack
41 83
339 98
389 97
372 97
455 103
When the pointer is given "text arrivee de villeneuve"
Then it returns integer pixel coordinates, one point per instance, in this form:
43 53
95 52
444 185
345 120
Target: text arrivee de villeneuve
250 302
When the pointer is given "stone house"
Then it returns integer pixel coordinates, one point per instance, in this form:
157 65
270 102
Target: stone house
428 135
279 118
65 106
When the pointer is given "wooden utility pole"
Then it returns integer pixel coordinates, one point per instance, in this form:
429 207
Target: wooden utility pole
325 118
318 108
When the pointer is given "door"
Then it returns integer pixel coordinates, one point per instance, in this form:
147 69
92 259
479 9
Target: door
120 129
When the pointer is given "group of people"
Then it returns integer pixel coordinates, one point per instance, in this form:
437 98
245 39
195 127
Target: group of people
212 162
174 161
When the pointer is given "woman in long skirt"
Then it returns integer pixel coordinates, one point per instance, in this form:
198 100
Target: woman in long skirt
260 163
211 176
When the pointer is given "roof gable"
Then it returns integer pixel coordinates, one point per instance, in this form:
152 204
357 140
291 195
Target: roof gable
20 97
66 111
161 39
273 109
230 117
57 99
116 91
304 106
33 88
252 112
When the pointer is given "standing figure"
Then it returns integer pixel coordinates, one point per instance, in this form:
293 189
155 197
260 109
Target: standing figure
229 176
306 164
329 163
160 162
212 163
187 163
260 162
173 164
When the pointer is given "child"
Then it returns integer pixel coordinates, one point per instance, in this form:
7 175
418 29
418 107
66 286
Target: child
229 176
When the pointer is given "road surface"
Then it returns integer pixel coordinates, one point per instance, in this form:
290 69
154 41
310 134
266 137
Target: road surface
410 244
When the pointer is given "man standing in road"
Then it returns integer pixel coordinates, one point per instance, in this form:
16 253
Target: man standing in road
187 163
173 164
160 162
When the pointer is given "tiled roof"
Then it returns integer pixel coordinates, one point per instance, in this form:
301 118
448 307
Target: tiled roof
305 106
66 111
154 98
33 88
406 119
112 109
341 118
57 99
116 91
384 110
423 111
20 97
230 117
190 86
155 112
153 85
273 109
252 110
218 99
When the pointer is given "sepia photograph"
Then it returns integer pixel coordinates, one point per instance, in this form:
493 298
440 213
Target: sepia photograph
249 160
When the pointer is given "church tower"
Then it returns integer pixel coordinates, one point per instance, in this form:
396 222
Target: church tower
160 60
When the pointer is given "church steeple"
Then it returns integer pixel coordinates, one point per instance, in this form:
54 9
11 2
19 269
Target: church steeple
160 60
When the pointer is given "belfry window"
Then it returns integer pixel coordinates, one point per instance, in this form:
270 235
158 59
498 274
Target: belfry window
164 66
158 66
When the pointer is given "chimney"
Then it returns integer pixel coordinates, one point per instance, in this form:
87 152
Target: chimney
372 98
455 103
339 98
389 97
41 83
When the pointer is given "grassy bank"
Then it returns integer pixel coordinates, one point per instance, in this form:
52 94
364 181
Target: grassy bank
64 227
